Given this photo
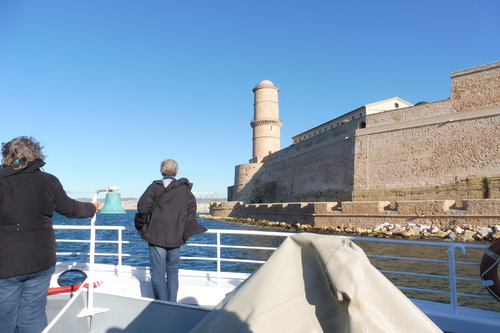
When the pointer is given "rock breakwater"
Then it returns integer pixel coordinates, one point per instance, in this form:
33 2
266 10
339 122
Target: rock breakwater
464 233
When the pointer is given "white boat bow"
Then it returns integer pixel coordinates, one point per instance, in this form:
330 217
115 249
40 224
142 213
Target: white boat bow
126 290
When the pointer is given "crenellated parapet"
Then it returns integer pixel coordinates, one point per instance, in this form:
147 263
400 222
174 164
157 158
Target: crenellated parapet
440 213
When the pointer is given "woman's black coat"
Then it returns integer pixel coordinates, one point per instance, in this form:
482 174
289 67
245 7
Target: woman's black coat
28 199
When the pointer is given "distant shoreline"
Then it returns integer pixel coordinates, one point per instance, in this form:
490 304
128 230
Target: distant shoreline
131 203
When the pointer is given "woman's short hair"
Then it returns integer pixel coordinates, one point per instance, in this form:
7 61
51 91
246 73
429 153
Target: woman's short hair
21 151
169 168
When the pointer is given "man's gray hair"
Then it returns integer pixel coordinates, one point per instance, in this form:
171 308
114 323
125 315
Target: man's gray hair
169 168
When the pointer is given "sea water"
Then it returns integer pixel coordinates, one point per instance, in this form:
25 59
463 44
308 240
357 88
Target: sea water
138 248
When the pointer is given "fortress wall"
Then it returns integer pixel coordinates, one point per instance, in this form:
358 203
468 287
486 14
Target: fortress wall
397 116
365 207
316 142
478 206
459 192
476 87
441 213
323 174
245 172
438 160
244 181
442 157
431 155
317 169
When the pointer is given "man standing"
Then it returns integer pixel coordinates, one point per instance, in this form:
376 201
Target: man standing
172 222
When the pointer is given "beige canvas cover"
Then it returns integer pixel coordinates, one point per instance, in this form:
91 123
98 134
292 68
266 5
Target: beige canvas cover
316 283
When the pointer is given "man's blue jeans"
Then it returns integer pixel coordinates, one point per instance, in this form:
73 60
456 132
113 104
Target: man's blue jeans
23 299
165 260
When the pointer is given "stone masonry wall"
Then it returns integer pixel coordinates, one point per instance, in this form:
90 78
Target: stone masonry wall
318 169
455 159
398 116
476 87
439 213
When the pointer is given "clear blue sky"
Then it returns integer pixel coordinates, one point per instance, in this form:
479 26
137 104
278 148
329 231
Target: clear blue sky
113 87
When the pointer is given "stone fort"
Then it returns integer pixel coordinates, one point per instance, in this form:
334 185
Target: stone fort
433 162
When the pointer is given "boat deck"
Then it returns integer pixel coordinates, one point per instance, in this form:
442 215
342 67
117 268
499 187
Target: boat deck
201 288
442 275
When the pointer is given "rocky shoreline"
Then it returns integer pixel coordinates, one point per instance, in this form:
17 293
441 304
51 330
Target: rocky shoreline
386 229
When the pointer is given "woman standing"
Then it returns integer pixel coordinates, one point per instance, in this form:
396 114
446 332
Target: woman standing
28 199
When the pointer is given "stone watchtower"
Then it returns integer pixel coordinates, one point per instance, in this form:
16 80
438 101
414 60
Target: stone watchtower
266 123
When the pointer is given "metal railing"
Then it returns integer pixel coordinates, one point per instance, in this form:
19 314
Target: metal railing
443 256
120 242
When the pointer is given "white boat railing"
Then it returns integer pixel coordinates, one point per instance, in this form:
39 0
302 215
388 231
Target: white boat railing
450 261
120 242
447 258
